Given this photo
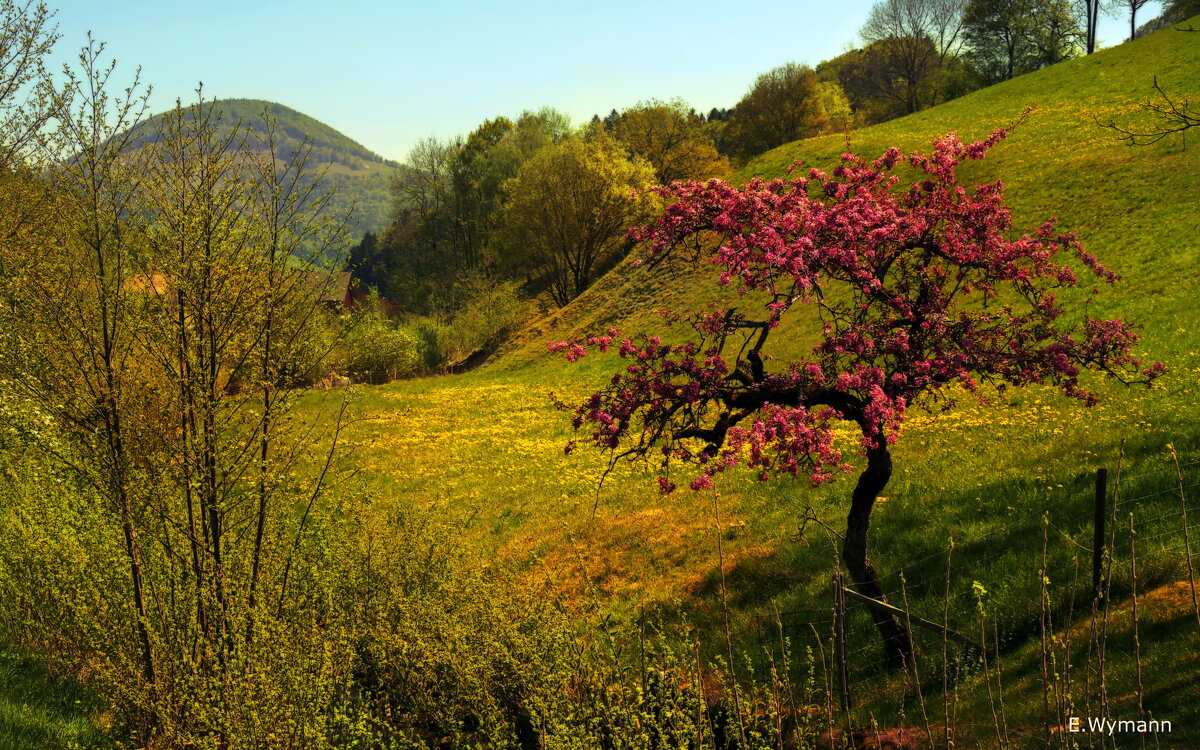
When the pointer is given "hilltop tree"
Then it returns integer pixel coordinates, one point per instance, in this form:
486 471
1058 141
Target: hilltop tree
1057 36
856 74
1006 38
998 38
915 291
1134 6
919 38
567 210
881 84
785 104
1091 20
1181 10
671 136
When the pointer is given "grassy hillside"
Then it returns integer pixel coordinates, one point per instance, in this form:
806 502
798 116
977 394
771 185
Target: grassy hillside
362 177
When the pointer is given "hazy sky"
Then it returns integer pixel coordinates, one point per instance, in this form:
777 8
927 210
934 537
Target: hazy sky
389 73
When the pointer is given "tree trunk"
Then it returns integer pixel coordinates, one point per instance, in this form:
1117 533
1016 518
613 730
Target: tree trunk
897 641
1092 8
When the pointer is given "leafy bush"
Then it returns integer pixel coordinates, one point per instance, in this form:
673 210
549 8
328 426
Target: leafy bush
492 310
430 336
375 350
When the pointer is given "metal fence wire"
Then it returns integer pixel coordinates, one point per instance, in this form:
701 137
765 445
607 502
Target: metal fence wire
1162 505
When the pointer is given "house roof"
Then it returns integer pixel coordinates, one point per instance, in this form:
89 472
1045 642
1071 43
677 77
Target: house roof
330 286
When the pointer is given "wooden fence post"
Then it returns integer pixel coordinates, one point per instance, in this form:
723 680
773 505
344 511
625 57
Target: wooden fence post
839 641
1101 513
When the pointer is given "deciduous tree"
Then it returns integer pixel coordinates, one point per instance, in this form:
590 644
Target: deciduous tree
671 136
1056 33
1006 38
28 98
1133 6
918 293
567 210
785 104
1091 19
447 199
998 37
164 341
918 38
1181 10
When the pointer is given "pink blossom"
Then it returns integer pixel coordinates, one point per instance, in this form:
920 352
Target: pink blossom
901 273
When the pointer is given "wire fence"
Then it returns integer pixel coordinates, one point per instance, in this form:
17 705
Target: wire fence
1068 581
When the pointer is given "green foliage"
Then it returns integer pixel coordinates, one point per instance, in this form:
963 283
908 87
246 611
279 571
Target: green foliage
363 195
854 73
447 199
28 96
910 46
567 210
376 350
1179 11
836 104
366 263
159 354
672 137
430 337
784 104
1007 38
491 311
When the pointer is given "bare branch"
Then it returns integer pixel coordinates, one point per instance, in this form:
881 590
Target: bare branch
1168 116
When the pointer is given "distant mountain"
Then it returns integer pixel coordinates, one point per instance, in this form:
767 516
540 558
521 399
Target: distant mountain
361 176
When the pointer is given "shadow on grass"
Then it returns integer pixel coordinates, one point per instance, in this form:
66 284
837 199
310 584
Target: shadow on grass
39 711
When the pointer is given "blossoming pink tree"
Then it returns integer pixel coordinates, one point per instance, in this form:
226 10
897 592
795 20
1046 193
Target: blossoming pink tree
917 290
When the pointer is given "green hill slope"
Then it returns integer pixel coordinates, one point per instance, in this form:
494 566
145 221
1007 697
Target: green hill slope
361 176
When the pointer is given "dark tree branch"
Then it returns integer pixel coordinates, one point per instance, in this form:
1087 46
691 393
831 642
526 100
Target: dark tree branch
1170 116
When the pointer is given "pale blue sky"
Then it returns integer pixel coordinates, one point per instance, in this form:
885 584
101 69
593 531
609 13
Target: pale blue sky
389 73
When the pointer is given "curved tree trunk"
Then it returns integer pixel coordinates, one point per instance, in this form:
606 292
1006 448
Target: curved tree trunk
897 641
